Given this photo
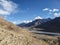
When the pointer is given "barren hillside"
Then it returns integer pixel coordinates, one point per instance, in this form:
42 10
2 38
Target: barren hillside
11 34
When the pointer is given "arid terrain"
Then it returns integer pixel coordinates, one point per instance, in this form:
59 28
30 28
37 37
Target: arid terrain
11 34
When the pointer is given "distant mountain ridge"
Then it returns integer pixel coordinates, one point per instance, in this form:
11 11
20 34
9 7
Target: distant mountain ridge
51 26
34 23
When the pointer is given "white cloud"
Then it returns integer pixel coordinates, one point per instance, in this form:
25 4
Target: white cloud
55 10
45 9
18 21
15 22
38 17
27 21
8 7
3 12
51 10
57 14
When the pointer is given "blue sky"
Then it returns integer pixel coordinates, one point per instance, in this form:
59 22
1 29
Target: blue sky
18 11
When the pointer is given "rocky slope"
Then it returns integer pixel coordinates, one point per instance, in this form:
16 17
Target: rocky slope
12 38
11 34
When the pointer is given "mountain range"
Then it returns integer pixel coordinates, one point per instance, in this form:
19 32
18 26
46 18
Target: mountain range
34 23
49 25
